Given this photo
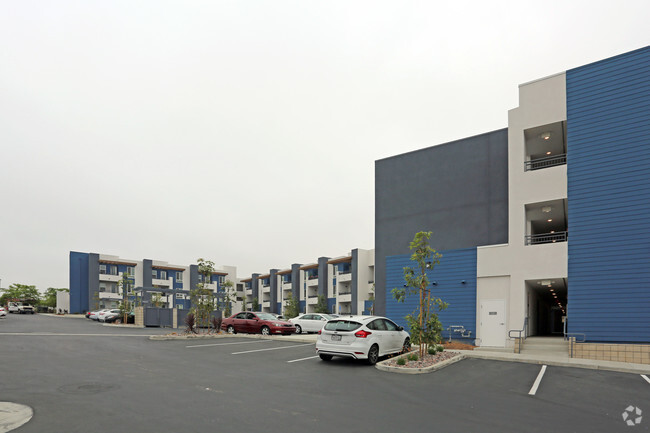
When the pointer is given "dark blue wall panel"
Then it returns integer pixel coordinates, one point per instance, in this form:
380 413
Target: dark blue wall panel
455 266
608 169
78 282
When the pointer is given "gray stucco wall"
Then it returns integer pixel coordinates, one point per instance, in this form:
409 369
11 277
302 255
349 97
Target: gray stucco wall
93 281
322 276
147 267
295 280
273 286
354 284
457 190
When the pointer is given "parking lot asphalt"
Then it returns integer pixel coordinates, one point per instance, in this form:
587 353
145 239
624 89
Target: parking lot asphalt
83 377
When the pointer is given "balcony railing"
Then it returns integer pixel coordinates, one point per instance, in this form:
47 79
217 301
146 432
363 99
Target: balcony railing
547 238
548 161
312 277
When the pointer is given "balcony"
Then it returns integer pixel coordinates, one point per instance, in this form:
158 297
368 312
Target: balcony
249 292
159 282
109 277
547 238
312 300
311 283
344 277
266 304
266 289
344 297
546 162
109 295
286 285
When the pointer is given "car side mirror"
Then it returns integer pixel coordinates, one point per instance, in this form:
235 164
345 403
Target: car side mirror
400 328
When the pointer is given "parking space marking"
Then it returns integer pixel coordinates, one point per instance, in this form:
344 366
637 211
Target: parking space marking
303 359
273 348
533 390
646 378
227 344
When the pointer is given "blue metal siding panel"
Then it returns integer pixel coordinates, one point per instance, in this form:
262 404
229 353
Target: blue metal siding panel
331 304
455 266
78 282
608 171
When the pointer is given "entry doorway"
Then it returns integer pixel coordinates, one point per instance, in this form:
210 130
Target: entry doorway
546 306
493 323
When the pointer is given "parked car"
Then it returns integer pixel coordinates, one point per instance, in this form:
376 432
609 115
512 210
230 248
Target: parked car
255 323
20 308
119 318
94 315
361 337
3 312
101 317
278 316
310 322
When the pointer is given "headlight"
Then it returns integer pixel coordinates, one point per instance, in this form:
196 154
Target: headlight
277 324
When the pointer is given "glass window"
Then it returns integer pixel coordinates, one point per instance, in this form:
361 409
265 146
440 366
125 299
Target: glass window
130 271
113 270
102 288
180 296
390 326
342 325
179 276
240 316
102 269
154 273
163 275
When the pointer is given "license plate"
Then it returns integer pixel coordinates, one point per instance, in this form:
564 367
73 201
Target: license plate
336 338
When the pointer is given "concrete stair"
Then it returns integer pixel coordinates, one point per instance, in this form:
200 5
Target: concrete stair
547 346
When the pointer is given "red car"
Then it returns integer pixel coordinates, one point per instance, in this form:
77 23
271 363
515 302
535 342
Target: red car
255 323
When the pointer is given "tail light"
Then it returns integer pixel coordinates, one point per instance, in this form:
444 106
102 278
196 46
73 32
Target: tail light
362 334
319 331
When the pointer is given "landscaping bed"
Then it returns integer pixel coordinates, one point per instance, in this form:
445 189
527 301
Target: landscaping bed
422 362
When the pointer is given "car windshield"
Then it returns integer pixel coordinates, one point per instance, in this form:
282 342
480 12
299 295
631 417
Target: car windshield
341 325
266 316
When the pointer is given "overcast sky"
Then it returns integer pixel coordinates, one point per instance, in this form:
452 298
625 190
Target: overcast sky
245 132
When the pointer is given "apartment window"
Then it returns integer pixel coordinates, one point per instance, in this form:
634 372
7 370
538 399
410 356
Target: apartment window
179 277
102 269
154 273
129 287
180 296
113 270
179 306
102 288
200 278
222 279
130 271
163 275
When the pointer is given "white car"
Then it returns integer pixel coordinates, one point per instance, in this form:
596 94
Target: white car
94 315
361 337
101 317
310 322
3 311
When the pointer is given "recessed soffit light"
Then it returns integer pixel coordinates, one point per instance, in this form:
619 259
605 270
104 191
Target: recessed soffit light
545 135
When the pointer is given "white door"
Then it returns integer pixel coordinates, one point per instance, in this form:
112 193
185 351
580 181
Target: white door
493 323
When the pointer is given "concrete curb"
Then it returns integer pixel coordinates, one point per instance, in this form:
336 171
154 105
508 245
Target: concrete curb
406 370
623 367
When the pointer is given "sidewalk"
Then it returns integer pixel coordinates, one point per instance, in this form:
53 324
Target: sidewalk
558 360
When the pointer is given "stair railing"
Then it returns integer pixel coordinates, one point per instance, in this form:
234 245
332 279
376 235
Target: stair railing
521 335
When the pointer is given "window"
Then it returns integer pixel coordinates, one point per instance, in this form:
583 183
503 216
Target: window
390 326
180 296
163 275
342 325
102 288
179 306
222 279
240 316
154 273
179 277
200 278
113 270
130 271
102 269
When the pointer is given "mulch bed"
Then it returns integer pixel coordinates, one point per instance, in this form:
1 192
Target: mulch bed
457 346
426 361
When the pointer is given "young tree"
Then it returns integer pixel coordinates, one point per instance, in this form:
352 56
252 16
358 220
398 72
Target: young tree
321 306
292 309
227 298
202 298
423 322
256 305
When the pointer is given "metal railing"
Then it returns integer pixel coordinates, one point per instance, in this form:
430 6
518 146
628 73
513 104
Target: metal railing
548 161
547 238
573 338
521 335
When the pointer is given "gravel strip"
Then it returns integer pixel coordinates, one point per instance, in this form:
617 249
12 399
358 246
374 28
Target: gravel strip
426 361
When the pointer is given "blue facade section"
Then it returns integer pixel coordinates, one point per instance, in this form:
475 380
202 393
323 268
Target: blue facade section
278 307
367 307
455 266
302 306
78 282
331 304
608 170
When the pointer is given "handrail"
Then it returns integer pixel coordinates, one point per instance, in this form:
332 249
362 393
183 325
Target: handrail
548 161
571 336
519 331
546 238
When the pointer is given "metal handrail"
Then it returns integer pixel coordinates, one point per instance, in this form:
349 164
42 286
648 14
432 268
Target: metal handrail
547 161
547 238
519 331
571 336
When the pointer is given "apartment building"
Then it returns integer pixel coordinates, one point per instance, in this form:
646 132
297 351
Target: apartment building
543 226
345 282
94 282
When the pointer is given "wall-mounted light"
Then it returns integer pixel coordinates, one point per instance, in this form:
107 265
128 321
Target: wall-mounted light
434 283
462 282
545 135
428 265
548 153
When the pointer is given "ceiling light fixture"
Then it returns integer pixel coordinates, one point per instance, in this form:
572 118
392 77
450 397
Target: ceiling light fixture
546 209
545 135
548 153
550 220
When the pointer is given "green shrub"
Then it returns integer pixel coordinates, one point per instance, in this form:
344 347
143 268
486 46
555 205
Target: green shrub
413 357
432 350
401 361
441 348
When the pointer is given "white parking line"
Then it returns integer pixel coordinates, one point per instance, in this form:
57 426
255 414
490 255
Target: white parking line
533 390
303 359
646 378
226 344
273 348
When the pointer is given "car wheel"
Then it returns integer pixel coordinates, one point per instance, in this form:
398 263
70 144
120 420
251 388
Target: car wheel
298 329
407 345
325 357
230 330
373 354
266 330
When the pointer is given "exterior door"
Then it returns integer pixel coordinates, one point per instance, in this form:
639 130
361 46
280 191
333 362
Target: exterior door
493 323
